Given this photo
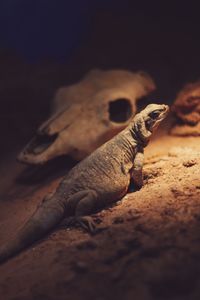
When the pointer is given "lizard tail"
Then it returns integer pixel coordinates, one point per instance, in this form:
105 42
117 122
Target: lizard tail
46 217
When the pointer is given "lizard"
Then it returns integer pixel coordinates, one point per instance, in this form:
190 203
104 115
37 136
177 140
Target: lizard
96 182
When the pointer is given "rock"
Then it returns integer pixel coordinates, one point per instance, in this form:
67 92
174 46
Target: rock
187 110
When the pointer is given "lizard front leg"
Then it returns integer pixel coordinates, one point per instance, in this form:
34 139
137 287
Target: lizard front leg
84 203
136 172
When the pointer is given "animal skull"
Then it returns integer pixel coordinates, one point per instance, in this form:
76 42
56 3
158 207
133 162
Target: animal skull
87 114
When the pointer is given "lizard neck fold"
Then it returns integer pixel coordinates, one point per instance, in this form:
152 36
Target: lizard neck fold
129 145
140 139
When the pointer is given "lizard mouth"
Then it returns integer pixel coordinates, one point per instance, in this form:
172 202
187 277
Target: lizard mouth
154 124
163 113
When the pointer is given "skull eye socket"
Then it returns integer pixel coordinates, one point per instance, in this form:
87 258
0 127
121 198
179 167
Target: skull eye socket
120 110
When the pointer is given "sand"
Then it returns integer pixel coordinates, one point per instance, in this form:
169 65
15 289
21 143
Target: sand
147 246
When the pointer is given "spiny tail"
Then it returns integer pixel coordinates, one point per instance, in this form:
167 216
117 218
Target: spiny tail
46 217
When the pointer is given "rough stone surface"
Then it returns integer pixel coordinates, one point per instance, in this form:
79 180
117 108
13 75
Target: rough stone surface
187 110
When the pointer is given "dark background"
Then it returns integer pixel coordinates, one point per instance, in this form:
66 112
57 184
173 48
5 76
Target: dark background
45 44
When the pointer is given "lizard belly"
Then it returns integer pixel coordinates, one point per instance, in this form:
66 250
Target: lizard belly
114 189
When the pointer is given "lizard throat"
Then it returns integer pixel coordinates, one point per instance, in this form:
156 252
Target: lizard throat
143 141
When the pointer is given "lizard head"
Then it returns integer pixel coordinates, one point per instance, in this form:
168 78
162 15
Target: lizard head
154 114
148 120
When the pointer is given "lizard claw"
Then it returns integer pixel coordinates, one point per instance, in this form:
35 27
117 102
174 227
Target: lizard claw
85 222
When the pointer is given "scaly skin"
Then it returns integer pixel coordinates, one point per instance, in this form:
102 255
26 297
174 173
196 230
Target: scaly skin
99 180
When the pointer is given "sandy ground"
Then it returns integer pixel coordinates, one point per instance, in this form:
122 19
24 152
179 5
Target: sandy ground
148 245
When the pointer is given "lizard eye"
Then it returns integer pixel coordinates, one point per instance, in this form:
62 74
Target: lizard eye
154 114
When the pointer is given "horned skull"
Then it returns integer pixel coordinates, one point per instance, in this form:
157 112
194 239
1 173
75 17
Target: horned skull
87 114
